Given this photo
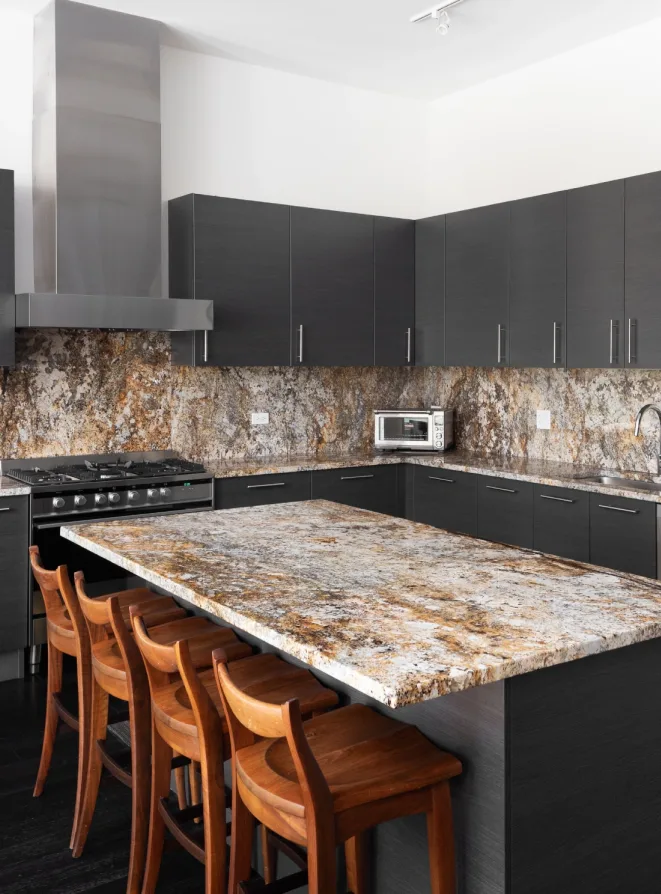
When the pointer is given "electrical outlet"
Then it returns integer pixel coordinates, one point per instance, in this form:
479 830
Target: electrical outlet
260 418
544 419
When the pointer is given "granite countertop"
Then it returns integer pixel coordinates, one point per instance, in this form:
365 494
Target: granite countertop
11 488
400 611
537 471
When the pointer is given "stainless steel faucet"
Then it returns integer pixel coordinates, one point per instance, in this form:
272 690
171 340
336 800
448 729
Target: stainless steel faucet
636 429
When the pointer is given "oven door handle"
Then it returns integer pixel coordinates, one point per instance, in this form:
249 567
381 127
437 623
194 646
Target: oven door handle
65 523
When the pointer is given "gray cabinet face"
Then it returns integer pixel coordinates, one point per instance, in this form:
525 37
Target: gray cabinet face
7 269
14 572
505 511
430 291
538 274
642 284
332 288
260 490
623 534
595 275
476 286
394 291
366 487
562 522
445 499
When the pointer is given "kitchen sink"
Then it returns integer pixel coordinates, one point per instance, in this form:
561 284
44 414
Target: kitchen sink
626 483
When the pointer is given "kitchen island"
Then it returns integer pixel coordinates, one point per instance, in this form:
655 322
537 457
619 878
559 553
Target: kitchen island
474 642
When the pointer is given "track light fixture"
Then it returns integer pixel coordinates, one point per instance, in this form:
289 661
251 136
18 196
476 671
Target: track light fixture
439 14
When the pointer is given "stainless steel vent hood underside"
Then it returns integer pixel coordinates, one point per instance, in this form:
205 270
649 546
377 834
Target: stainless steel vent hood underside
97 176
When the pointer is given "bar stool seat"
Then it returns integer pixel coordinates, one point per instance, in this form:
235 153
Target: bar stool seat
364 757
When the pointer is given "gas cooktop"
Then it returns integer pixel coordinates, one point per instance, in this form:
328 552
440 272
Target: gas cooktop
45 472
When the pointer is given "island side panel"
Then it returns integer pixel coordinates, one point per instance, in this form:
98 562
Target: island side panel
584 746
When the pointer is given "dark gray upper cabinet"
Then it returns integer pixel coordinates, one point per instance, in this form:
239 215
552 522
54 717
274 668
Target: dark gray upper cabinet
235 253
394 291
595 275
7 279
430 291
476 286
332 288
538 275
642 283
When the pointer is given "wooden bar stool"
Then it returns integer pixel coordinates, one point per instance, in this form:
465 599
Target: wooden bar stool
187 717
326 781
63 623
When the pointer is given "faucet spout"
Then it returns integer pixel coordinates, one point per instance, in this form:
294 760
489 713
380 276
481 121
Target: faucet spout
636 429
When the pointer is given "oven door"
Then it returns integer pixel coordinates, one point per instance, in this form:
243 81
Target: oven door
396 431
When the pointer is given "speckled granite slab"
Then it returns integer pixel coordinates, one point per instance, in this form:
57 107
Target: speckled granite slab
11 488
400 611
537 471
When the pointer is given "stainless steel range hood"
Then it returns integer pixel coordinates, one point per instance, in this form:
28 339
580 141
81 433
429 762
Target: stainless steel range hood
97 176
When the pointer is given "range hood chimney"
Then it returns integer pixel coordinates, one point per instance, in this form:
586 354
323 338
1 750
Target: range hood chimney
97 176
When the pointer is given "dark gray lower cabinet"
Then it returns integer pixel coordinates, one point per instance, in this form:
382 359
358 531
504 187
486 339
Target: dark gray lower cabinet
445 499
367 487
562 522
14 572
258 490
505 511
623 534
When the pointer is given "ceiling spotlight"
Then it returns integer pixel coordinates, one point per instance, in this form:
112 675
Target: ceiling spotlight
439 14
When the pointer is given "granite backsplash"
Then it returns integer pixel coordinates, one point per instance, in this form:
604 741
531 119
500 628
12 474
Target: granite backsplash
80 392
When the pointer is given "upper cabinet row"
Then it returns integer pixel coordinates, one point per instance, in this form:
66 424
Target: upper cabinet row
570 279
7 286
292 285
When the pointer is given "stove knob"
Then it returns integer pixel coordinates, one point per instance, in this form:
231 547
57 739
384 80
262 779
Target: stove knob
152 493
113 497
100 499
79 500
166 493
58 502
133 496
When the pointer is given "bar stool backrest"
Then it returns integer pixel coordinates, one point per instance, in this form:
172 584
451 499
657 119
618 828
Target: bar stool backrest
57 591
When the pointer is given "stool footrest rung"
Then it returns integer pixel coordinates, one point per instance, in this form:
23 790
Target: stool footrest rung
64 713
281 886
116 763
296 854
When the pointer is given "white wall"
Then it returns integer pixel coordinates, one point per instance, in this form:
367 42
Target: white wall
254 133
586 116
16 129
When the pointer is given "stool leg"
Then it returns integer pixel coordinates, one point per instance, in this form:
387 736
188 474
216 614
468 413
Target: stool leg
440 836
84 673
180 785
355 850
243 825
321 862
98 727
54 686
140 722
161 763
269 856
194 784
215 823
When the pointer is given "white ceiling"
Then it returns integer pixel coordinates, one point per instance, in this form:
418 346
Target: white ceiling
370 43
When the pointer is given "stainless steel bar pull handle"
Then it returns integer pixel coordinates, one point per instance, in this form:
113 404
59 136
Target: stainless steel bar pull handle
500 343
354 477
436 478
505 490
6 509
408 345
633 334
556 329
256 486
614 338
205 350
556 499
300 343
618 509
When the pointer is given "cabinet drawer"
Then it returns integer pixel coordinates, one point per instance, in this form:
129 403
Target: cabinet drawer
258 490
445 499
562 522
623 534
505 511
367 487
14 573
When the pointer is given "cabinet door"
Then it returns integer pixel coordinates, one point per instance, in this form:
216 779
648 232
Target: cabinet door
445 499
562 522
623 534
6 232
235 253
394 291
505 511
538 276
332 288
430 291
476 286
595 275
14 571
367 487
259 490
642 285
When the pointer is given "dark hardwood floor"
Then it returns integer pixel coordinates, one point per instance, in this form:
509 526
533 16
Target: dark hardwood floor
34 832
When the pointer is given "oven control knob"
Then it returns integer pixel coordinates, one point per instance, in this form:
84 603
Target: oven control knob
133 496
58 502
166 493
113 497
79 500
152 493
100 499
